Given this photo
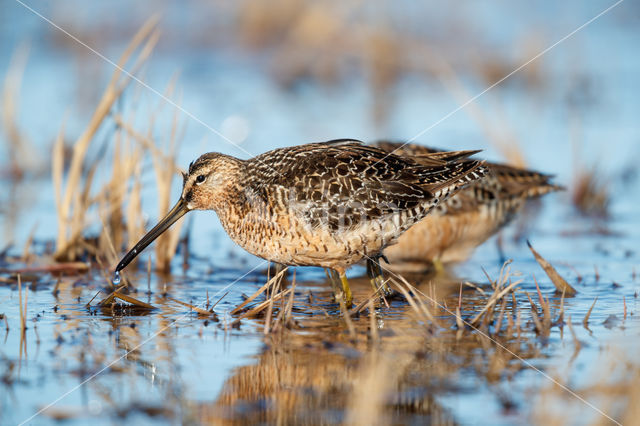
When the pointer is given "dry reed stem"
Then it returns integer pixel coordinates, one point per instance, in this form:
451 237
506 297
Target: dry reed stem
111 197
365 302
6 322
146 142
373 325
375 379
632 412
459 320
164 170
585 321
360 306
347 319
88 305
20 150
419 308
117 295
262 306
289 309
23 322
217 301
23 318
70 206
268 284
590 194
284 316
495 297
200 311
28 243
57 168
423 304
110 246
271 301
560 320
534 316
134 222
503 307
546 307
577 345
576 342
70 267
560 283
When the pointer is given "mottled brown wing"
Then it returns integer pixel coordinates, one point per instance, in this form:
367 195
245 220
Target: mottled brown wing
349 182
515 181
504 183
406 149
424 155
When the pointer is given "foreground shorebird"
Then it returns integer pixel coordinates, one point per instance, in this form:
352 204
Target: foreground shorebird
466 220
329 204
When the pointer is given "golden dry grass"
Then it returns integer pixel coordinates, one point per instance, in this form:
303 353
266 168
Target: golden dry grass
22 155
118 201
73 197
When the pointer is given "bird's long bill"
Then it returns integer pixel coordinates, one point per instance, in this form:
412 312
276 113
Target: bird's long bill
179 210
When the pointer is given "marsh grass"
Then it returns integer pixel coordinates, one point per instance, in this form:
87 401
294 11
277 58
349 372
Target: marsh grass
73 196
164 168
265 288
590 190
22 157
117 295
562 286
391 372
118 201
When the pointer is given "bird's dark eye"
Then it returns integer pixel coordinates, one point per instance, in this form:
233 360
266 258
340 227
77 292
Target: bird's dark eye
200 179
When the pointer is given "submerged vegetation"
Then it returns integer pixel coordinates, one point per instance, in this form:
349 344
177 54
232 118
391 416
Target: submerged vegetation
199 339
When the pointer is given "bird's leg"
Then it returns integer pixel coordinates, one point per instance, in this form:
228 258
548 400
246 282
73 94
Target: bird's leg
340 286
374 271
438 266
335 286
348 297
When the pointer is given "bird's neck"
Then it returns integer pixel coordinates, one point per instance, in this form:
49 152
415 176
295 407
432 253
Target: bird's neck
246 215
234 209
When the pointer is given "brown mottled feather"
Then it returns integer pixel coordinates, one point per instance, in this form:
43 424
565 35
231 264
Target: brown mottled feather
326 204
466 220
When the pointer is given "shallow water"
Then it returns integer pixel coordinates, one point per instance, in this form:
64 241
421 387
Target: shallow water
169 365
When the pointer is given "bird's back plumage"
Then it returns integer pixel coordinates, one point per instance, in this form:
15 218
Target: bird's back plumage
332 203
467 219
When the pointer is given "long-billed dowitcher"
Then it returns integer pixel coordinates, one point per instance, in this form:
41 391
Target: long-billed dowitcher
466 220
328 204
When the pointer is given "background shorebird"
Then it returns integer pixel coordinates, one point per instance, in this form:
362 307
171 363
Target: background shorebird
328 204
463 222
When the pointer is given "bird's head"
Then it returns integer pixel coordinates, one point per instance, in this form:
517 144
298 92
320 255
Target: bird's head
205 186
